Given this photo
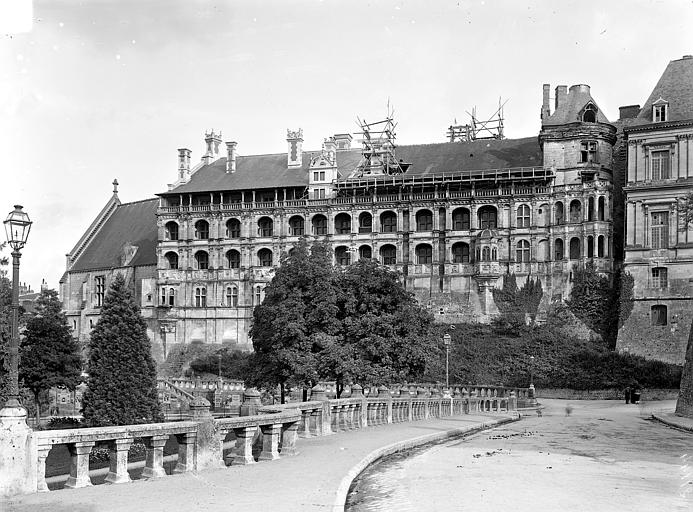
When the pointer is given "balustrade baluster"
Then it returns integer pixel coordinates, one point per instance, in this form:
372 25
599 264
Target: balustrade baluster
304 429
186 452
79 464
43 451
244 445
289 437
316 422
118 461
154 463
270 441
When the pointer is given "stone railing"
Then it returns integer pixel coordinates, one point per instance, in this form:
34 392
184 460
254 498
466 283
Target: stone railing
261 433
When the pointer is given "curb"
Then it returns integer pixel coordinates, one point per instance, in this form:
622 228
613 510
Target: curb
673 424
407 444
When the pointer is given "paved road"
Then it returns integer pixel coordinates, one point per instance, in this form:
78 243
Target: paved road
604 456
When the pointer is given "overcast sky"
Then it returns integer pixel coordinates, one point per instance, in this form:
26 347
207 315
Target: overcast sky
103 89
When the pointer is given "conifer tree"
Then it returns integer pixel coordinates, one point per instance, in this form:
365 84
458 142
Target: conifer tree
122 375
50 356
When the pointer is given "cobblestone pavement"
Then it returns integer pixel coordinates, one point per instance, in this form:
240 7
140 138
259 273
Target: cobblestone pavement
577 456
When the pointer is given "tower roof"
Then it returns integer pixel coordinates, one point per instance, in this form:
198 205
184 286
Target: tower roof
572 106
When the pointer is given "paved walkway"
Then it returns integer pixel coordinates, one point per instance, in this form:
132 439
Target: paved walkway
312 480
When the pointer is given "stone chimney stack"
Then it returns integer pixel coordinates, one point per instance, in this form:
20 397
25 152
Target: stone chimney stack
231 156
44 285
183 164
561 95
343 141
295 152
329 149
545 104
213 141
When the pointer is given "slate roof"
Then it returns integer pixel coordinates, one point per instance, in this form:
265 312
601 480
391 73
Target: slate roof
569 110
676 87
130 224
270 171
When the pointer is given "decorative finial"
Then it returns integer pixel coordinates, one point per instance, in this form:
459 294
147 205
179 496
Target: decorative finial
115 187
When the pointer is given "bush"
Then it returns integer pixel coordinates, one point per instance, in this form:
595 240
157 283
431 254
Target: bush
64 422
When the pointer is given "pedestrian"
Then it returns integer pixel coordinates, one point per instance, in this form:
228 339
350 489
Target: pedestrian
627 394
568 409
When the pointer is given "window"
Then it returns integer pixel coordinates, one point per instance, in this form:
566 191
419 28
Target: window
172 297
233 228
460 253
233 259
659 113
171 231
319 225
265 257
522 251
558 249
388 254
523 216
574 248
660 230
232 296
342 255
601 208
588 152
659 277
99 290
424 220
201 297
558 209
258 295
575 211
319 176
202 260
388 222
319 193
486 253
265 226
658 314
171 260
202 230
660 165
163 300
424 254
590 246
342 224
365 223
296 226
460 220
488 217
590 114
590 209
600 246
365 252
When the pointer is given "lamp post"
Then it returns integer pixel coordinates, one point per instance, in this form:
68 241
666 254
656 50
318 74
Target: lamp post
446 341
531 371
17 227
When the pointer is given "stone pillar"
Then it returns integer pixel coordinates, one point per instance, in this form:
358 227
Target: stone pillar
79 465
209 452
43 451
289 437
154 464
18 463
118 464
305 423
186 452
270 441
244 446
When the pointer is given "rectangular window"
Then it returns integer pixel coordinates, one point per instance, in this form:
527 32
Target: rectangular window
588 152
660 165
319 193
322 175
99 290
315 176
659 113
660 230
163 296
659 277
658 315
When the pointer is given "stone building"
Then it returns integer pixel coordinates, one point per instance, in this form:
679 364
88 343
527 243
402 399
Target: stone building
453 218
658 243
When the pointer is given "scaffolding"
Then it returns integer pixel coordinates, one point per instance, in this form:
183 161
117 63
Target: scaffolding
378 152
491 128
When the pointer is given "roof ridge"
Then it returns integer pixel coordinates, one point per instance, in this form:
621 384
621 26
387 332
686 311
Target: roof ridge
139 201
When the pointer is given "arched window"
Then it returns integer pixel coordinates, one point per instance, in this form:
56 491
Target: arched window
590 246
574 248
233 228
233 259
488 217
600 246
200 297
258 295
485 253
319 225
342 224
388 255
171 296
265 226
388 222
296 226
460 219
264 256
522 251
590 114
558 213
424 220
201 260
202 230
162 299
600 208
460 253
365 223
523 216
424 254
342 255
171 260
231 296
575 211
590 208
171 231
365 252
658 314
558 249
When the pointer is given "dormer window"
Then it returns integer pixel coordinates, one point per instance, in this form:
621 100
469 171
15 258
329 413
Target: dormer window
659 113
590 114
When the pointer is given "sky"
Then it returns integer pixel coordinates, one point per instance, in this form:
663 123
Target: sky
102 89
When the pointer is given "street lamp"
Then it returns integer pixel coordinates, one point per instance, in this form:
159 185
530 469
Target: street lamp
17 227
446 341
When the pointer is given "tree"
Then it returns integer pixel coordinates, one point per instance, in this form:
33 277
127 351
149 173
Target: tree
231 364
5 334
122 386
50 356
591 298
684 404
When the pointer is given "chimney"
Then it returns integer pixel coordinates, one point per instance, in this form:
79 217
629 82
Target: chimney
329 149
231 156
545 104
343 141
183 163
212 140
295 152
561 95
628 112
44 285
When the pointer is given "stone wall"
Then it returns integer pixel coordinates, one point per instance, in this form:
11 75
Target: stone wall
604 394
